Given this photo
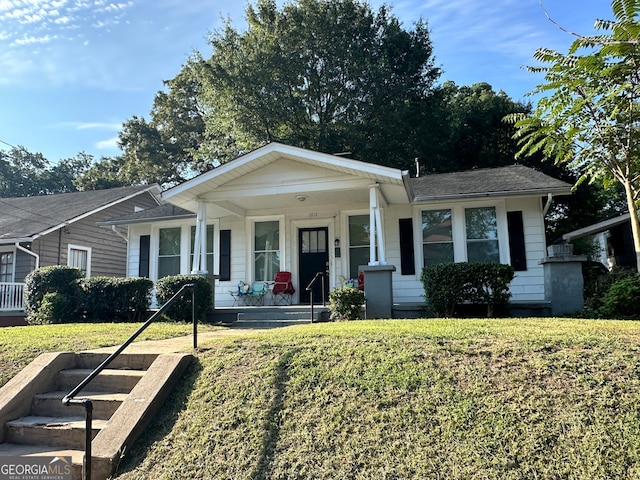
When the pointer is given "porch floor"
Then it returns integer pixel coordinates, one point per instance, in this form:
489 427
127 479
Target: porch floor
267 316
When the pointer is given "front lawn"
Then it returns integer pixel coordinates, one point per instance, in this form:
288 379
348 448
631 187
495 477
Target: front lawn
433 399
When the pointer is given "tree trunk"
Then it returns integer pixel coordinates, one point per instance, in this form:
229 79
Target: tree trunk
635 223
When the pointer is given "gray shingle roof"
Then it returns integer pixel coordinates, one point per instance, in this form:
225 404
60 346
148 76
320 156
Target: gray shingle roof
159 213
484 182
26 217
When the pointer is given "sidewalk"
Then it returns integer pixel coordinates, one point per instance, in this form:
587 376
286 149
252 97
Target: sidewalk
178 344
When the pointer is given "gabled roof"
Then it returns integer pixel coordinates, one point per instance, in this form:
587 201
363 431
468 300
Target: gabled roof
334 178
484 182
27 218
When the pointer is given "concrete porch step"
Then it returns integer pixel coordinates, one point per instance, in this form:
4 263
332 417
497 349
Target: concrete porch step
62 432
268 316
50 404
109 380
33 420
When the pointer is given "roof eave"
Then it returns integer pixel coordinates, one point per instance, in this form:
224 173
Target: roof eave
160 218
511 193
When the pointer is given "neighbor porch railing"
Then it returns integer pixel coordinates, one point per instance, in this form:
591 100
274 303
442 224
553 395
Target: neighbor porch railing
11 296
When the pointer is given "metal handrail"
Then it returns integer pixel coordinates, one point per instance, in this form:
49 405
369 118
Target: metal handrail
309 289
88 404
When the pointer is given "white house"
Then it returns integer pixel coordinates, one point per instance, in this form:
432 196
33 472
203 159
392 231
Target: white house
286 208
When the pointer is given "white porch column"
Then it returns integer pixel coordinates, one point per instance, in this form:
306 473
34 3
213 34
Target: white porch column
376 233
199 266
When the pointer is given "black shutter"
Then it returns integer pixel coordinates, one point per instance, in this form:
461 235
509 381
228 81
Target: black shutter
145 249
516 241
407 258
225 254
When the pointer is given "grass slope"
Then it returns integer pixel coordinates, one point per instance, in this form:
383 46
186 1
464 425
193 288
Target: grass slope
450 399
20 345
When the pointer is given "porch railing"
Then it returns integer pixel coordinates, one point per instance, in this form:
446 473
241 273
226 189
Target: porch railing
11 296
310 290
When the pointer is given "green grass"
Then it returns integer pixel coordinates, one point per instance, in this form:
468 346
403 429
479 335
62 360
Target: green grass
435 399
20 345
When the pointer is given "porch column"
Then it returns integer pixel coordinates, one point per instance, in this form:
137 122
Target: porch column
376 233
199 266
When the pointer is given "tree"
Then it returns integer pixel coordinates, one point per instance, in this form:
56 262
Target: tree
165 149
328 75
590 119
463 128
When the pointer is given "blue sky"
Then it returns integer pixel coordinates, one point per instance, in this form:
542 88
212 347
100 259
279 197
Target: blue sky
72 71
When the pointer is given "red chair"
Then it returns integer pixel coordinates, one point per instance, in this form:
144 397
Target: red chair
361 280
282 289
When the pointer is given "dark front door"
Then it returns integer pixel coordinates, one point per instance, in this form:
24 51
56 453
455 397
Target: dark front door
314 257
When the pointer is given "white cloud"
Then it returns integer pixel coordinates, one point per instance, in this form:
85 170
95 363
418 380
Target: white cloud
28 40
110 144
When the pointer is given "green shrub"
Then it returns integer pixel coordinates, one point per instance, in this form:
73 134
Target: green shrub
447 285
54 308
598 281
54 279
116 299
167 287
345 303
623 299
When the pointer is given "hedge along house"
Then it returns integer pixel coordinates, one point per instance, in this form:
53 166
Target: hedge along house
61 229
282 208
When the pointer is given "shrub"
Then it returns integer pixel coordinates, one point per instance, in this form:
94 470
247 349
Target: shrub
621 301
345 303
57 279
167 287
116 299
449 284
54 308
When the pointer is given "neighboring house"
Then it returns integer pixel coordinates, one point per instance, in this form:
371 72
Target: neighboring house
62 229
286 208
614 239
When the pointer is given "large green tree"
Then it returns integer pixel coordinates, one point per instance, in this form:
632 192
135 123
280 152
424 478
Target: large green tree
329 75
589 114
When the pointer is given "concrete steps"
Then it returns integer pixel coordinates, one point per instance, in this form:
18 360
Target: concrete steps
33 420
267 316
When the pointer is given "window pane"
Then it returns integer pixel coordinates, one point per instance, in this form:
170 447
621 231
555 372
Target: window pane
168 266
267 236
170 241
483 251
169 252
357 256
482 235
322 241
437 237
305 241
435 253
6 267
436 226
481 223
359 230
266 250
266 265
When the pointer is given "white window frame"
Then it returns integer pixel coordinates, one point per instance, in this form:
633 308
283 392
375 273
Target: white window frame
81 248
458 229
346 242
185 246
11 251
282 237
